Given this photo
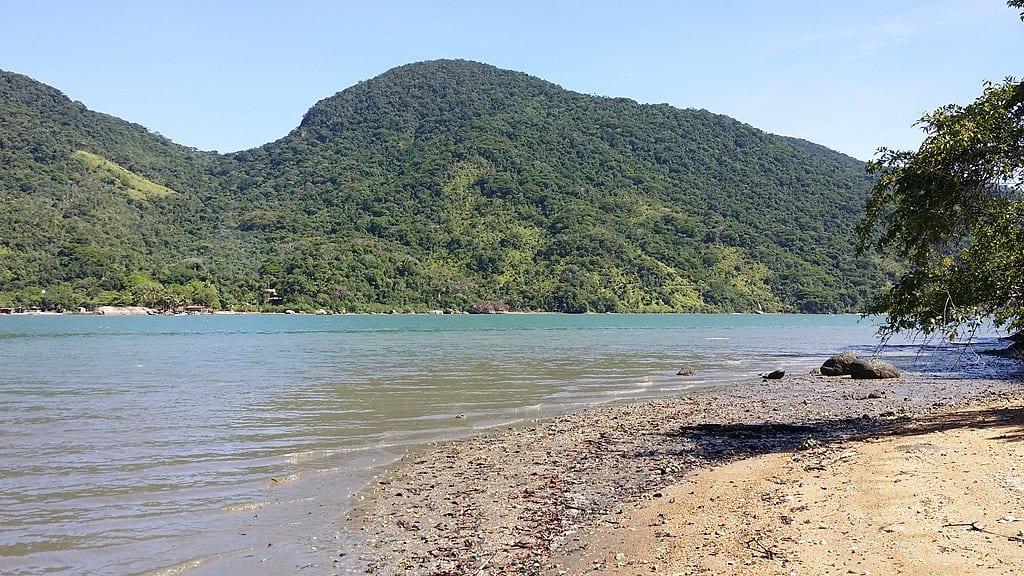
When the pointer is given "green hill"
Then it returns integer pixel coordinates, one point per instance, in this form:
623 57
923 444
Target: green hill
433 185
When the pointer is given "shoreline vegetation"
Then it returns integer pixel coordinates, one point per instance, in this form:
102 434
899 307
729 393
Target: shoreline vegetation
785 476
201 310
195 311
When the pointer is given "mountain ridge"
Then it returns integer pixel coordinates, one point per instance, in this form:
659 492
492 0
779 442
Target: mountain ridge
433 185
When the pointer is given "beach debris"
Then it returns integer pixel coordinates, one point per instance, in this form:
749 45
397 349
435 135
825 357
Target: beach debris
839 364
773 375
873 369
827 459
686 370
973 526
810 444
763 551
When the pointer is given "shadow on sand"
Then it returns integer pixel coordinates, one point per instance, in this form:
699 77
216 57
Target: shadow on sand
730 442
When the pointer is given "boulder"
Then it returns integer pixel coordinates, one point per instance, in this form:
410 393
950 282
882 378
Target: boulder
838 365
773 375
872 369
1016 336
1014 351
488 307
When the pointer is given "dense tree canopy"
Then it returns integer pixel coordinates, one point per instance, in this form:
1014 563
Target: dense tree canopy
954 210
433 185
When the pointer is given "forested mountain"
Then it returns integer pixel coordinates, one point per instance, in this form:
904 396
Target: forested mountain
433 185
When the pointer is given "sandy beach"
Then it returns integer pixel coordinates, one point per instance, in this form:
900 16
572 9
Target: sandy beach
941 495
805 475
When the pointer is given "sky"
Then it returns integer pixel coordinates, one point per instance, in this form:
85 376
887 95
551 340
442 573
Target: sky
230 75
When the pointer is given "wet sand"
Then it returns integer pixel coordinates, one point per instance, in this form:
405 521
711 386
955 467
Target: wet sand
588 492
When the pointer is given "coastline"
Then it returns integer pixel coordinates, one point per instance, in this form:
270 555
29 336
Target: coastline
542 498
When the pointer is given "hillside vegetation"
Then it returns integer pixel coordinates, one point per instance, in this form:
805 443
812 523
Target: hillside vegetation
135 186
434 185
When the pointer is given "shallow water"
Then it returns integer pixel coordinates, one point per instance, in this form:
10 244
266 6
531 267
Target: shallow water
216 444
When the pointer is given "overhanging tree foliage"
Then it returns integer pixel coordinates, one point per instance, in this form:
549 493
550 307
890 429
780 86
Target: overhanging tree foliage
954 210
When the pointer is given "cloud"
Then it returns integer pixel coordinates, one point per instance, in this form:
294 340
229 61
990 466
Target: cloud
888 27
867 40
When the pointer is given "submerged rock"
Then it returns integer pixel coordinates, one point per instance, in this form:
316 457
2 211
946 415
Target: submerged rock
686 370
873 369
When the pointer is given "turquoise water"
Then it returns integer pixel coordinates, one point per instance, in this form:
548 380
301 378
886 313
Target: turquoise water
188 444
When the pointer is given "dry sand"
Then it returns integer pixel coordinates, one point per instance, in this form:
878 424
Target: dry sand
944 495
808 475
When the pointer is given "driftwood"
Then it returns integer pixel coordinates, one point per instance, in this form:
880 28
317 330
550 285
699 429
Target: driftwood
979 527
764 551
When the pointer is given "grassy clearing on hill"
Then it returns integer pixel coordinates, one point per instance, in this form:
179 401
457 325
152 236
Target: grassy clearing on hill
135 186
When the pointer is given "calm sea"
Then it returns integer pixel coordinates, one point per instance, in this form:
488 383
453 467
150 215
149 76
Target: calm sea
216 444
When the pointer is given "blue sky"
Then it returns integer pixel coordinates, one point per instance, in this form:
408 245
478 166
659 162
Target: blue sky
227 75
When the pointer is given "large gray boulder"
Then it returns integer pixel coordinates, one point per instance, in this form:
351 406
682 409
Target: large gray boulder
873 369
838 365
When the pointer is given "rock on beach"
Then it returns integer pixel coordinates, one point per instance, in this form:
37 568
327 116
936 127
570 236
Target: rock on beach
838 365
872 369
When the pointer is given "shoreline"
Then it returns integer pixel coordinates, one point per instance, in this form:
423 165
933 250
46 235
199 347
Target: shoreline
536 498
301 312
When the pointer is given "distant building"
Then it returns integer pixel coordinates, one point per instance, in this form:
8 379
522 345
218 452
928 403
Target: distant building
270 296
